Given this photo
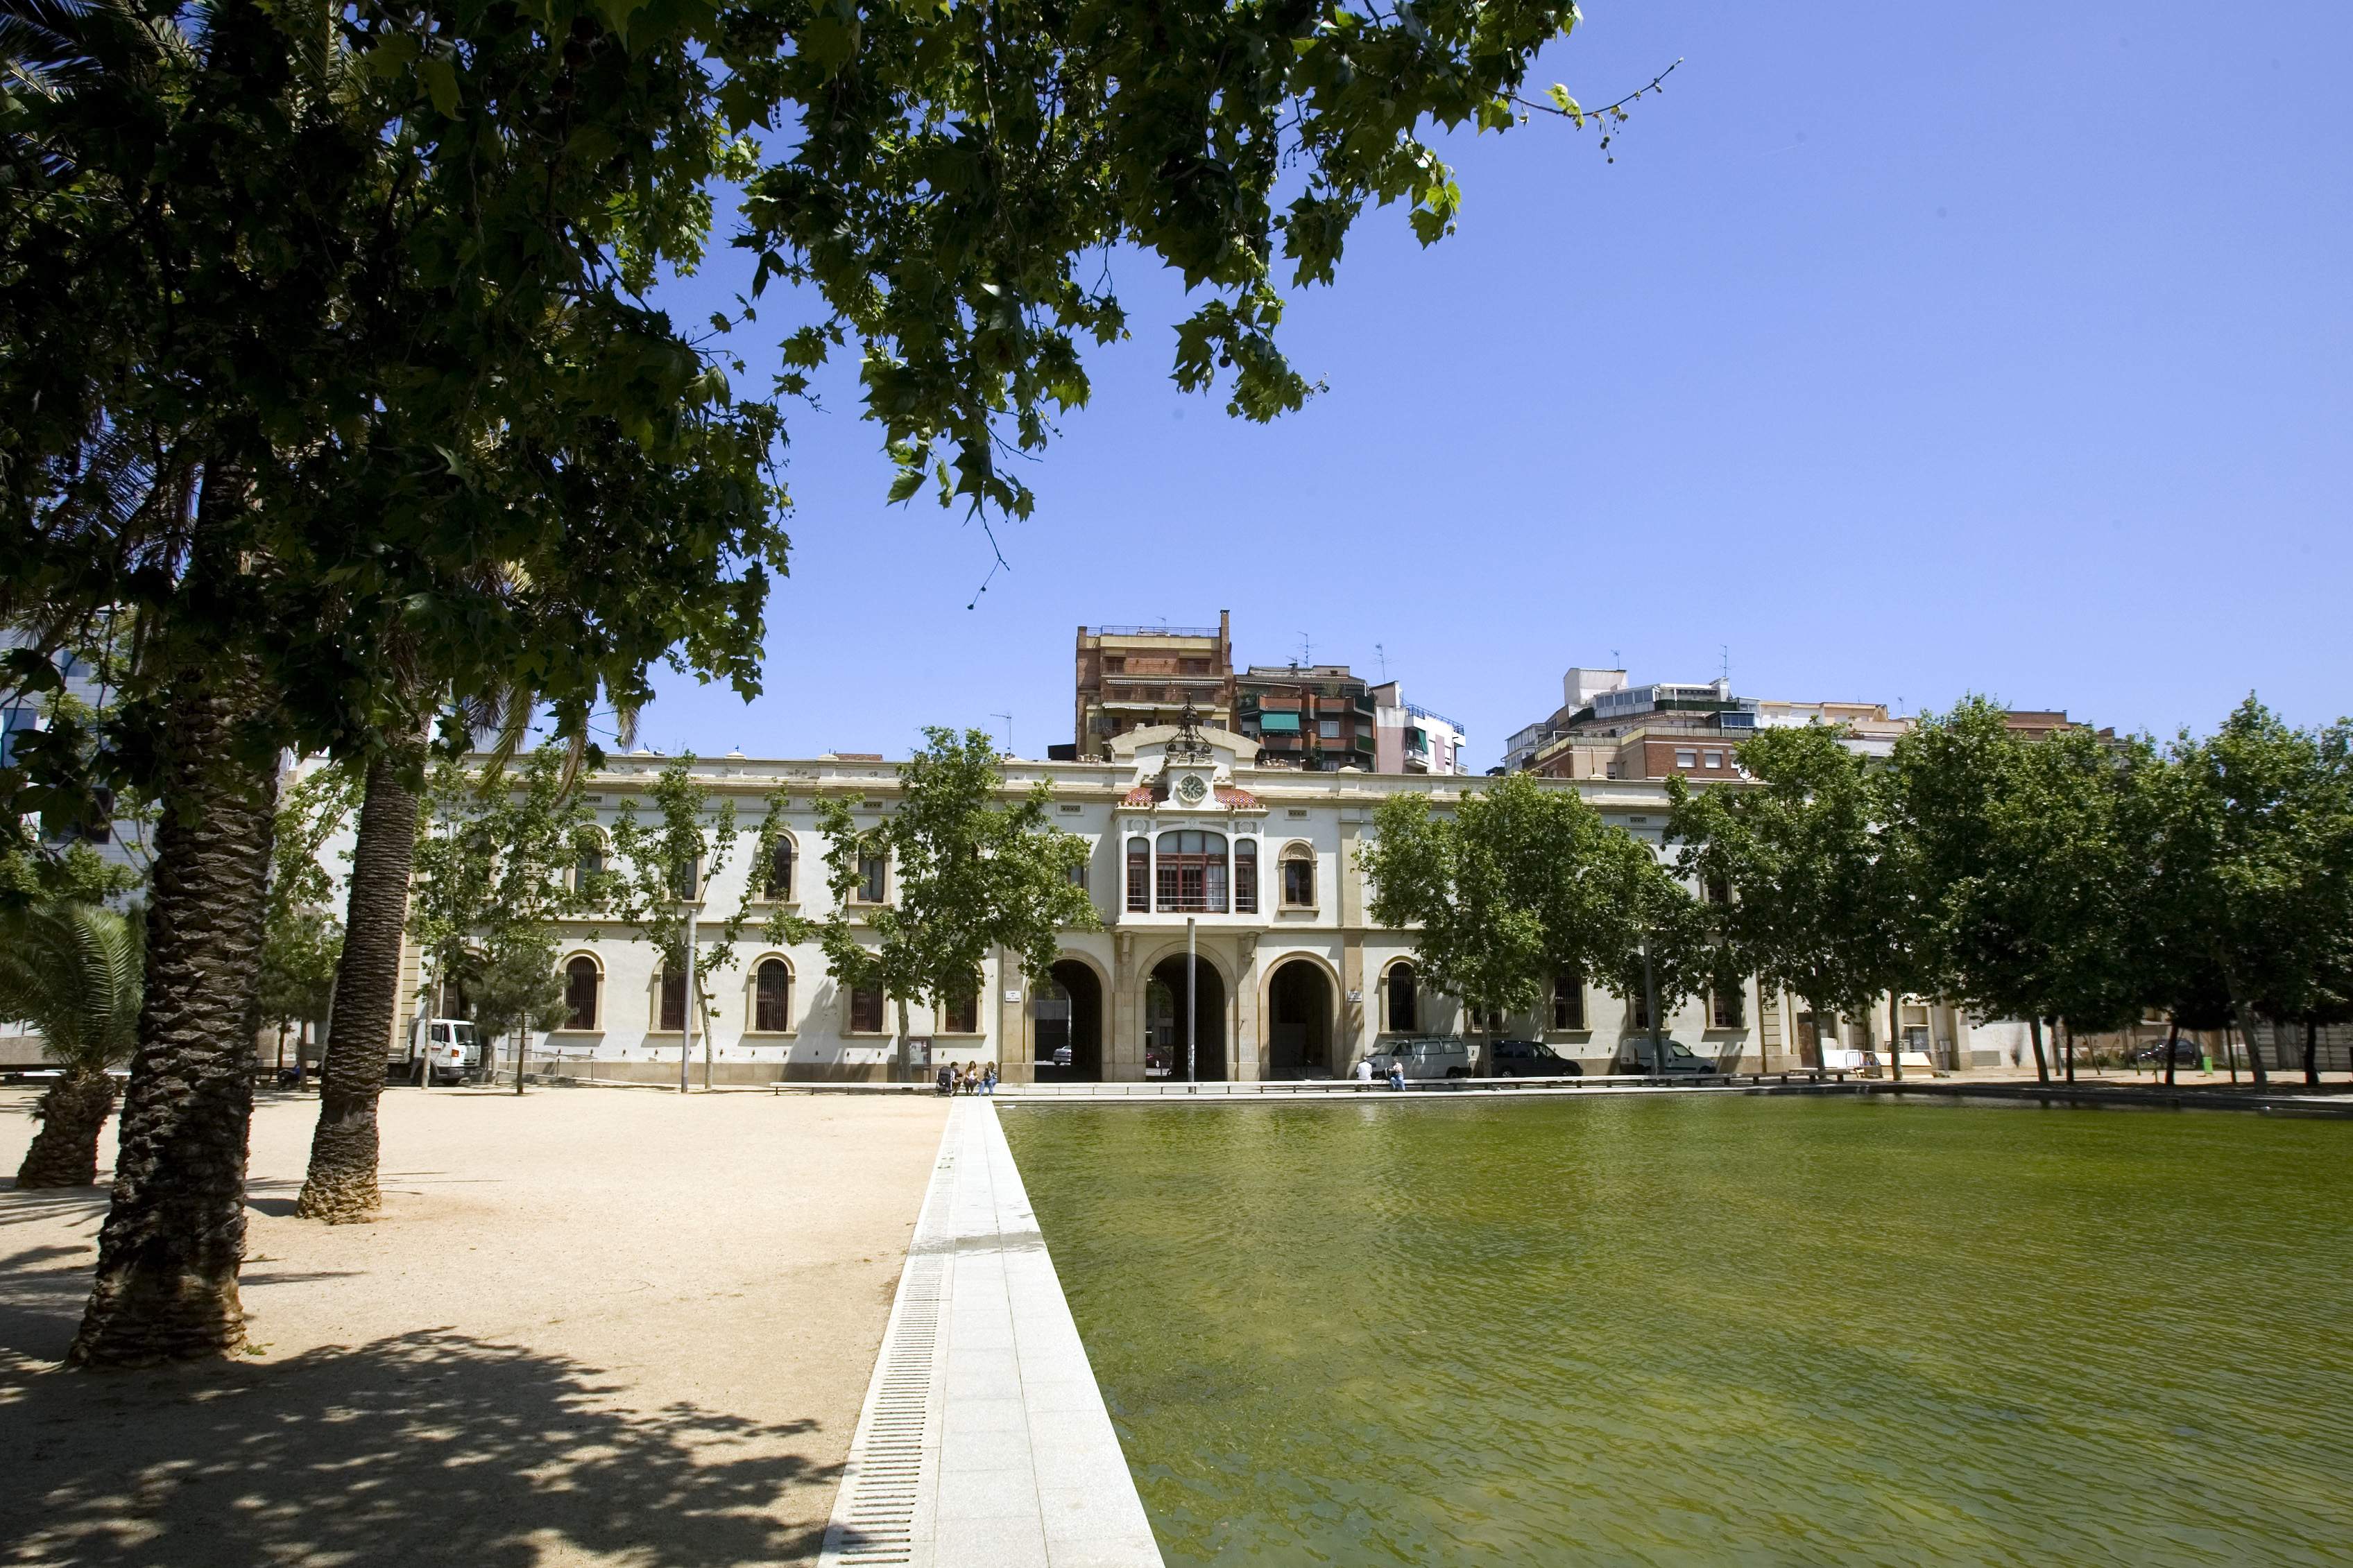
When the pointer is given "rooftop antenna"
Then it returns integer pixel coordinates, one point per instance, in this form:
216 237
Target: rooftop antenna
1614 662
1306 649
1727 663
1383 655
1008 731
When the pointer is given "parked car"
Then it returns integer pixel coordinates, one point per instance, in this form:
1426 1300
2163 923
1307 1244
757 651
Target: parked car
1437 1056
448 1047
2186 1054
1674 1060
1524 1058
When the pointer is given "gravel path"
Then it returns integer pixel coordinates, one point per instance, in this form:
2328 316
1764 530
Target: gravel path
595 1326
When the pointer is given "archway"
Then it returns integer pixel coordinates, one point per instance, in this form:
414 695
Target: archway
1164 1031
1299 1022
1068 1017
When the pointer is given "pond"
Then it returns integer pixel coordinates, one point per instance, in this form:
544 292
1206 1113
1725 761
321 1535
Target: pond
1704 1328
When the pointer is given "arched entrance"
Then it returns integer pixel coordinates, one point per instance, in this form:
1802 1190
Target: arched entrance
1165 1030
1068 1033
1299 1022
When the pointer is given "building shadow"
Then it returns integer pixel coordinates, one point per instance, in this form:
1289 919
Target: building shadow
428 1448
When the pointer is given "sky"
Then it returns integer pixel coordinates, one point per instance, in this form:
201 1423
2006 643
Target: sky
1903 352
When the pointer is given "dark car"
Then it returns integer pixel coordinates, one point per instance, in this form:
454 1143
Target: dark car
1524 1058
1674 1060
2186 1054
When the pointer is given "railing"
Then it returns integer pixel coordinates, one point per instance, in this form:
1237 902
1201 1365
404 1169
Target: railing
1150 1088
1421 712
1153 631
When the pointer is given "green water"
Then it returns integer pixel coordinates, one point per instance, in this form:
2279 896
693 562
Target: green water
1704 1329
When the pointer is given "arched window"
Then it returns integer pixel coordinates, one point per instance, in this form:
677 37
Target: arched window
1139 877
873 878
672 1018
1569 1000
1725 1004
772 997
778 884
1298 877
686 879
1245 875
962 1015
1405 1000
1190 870
865 1010
588 863
582 981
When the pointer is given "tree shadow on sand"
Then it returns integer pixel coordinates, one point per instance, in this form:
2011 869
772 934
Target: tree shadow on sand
428 1448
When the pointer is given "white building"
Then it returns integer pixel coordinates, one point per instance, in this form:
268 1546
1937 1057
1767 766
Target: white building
1256 867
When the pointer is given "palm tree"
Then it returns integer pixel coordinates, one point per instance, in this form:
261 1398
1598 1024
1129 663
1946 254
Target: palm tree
73 972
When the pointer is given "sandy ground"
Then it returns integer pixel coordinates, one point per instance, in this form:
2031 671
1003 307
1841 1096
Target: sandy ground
594 1326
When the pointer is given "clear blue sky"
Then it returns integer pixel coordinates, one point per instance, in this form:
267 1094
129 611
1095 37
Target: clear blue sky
1907 351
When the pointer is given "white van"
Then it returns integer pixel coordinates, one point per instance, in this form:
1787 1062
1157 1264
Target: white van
450 1045
1435 1056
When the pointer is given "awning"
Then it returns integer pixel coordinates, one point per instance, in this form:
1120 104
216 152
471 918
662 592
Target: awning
1288 722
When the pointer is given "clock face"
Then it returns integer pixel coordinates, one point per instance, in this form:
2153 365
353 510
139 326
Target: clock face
1190 789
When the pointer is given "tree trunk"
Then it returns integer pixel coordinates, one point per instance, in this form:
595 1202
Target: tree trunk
65 1151
2066 1046
906 1047
2042 1063
340 1187
2311 1053
168 1254
2172 1037
1895 1035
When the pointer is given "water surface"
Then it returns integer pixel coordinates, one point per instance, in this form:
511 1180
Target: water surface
1711 1329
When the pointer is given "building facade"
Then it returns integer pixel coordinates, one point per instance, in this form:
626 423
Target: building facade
1132 678
1227 892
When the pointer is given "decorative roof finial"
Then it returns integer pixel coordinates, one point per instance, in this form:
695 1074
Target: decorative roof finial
1187 744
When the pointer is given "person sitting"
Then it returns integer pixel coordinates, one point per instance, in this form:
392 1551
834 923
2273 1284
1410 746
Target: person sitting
1364 1073
989 1078
1396 1072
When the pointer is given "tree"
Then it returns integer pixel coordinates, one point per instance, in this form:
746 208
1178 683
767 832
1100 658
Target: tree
1820 887
657 889
73 972
966 876
2259 827
1517 885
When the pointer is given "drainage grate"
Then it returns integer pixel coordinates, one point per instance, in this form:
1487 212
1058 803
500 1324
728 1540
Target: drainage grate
874 1517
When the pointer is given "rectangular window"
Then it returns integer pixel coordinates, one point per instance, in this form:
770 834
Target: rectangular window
1724 1006
686 879
1328 728
1569 1000
872 873
1077 875
1715 759
963 1013
673 1002
1246 876
1686 759
1139 877
1298 882
865 1010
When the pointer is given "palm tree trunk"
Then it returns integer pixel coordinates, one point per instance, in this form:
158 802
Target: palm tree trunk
65 1151
340 1187
168 1254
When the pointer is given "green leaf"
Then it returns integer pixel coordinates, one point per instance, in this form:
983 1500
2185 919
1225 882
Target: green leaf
1565 104
440 74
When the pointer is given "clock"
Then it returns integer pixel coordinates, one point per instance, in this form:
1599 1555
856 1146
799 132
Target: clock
1191 790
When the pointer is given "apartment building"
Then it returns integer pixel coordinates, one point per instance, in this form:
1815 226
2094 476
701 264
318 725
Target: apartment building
1607 728
1317 718
1410 739
1131 677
